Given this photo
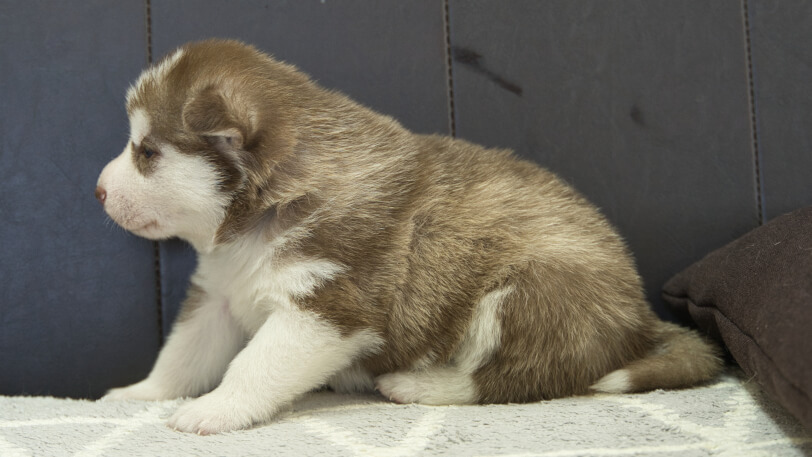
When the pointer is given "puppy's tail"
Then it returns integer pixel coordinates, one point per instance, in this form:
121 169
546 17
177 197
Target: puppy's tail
681 358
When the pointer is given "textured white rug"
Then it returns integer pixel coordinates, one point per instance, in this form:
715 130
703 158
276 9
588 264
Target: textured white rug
729 418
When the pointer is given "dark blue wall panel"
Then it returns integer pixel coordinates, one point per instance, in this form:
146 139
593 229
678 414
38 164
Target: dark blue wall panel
642 105
77 295
781 46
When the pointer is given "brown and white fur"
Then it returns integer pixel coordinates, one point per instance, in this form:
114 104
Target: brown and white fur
335 247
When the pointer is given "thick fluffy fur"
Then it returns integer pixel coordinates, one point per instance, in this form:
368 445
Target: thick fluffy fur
336 247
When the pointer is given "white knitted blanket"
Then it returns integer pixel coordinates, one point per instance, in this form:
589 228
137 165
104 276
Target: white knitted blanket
728 418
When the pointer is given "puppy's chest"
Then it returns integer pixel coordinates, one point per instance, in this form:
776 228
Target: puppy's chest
253 281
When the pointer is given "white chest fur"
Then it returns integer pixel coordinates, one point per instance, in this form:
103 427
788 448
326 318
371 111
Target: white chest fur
252 280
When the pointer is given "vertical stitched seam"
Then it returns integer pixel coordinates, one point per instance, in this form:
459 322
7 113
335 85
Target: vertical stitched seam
156 245
149 31
753 118
159 299
452 124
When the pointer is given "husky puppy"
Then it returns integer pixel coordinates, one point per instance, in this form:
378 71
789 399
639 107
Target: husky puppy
337 248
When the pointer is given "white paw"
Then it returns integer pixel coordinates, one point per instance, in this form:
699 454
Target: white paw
144 390
399 387
210 414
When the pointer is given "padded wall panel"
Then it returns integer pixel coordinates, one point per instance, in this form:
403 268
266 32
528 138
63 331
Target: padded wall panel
781 47
642 105
77 301
389 55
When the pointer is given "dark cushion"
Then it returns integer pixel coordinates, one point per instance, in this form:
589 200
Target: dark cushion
755 295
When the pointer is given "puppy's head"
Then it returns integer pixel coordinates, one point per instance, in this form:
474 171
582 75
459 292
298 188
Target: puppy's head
208 124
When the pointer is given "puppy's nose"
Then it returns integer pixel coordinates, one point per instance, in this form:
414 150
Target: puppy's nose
101 194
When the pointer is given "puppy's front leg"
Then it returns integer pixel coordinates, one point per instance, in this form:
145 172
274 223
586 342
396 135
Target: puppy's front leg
293 352
203 341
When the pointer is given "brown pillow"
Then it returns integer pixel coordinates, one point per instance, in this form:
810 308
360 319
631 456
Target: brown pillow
755 295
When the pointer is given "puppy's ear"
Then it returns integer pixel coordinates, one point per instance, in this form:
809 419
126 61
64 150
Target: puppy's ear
221 121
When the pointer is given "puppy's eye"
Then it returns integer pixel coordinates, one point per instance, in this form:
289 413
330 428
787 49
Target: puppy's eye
147 152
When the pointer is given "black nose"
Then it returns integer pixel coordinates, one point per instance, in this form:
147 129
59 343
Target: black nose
101 194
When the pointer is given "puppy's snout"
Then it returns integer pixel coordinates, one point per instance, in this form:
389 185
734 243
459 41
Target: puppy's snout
101 194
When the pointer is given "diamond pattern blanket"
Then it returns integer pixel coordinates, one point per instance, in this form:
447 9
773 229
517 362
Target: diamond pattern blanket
730 417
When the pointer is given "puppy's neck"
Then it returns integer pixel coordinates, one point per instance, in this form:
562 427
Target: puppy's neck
203 243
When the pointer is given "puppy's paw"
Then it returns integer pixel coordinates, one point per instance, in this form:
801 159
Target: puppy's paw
144 390
399 387
210 414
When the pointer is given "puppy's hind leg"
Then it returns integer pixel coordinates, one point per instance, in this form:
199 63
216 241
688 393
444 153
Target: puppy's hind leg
454 383
430 386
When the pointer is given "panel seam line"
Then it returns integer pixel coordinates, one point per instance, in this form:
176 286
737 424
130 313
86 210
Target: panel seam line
156 245
751 99
452 124
148 24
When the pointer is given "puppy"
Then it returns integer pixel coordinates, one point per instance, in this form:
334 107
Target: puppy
337 248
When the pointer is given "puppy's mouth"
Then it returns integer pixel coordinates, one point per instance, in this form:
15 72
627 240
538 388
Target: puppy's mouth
149 226
134 222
